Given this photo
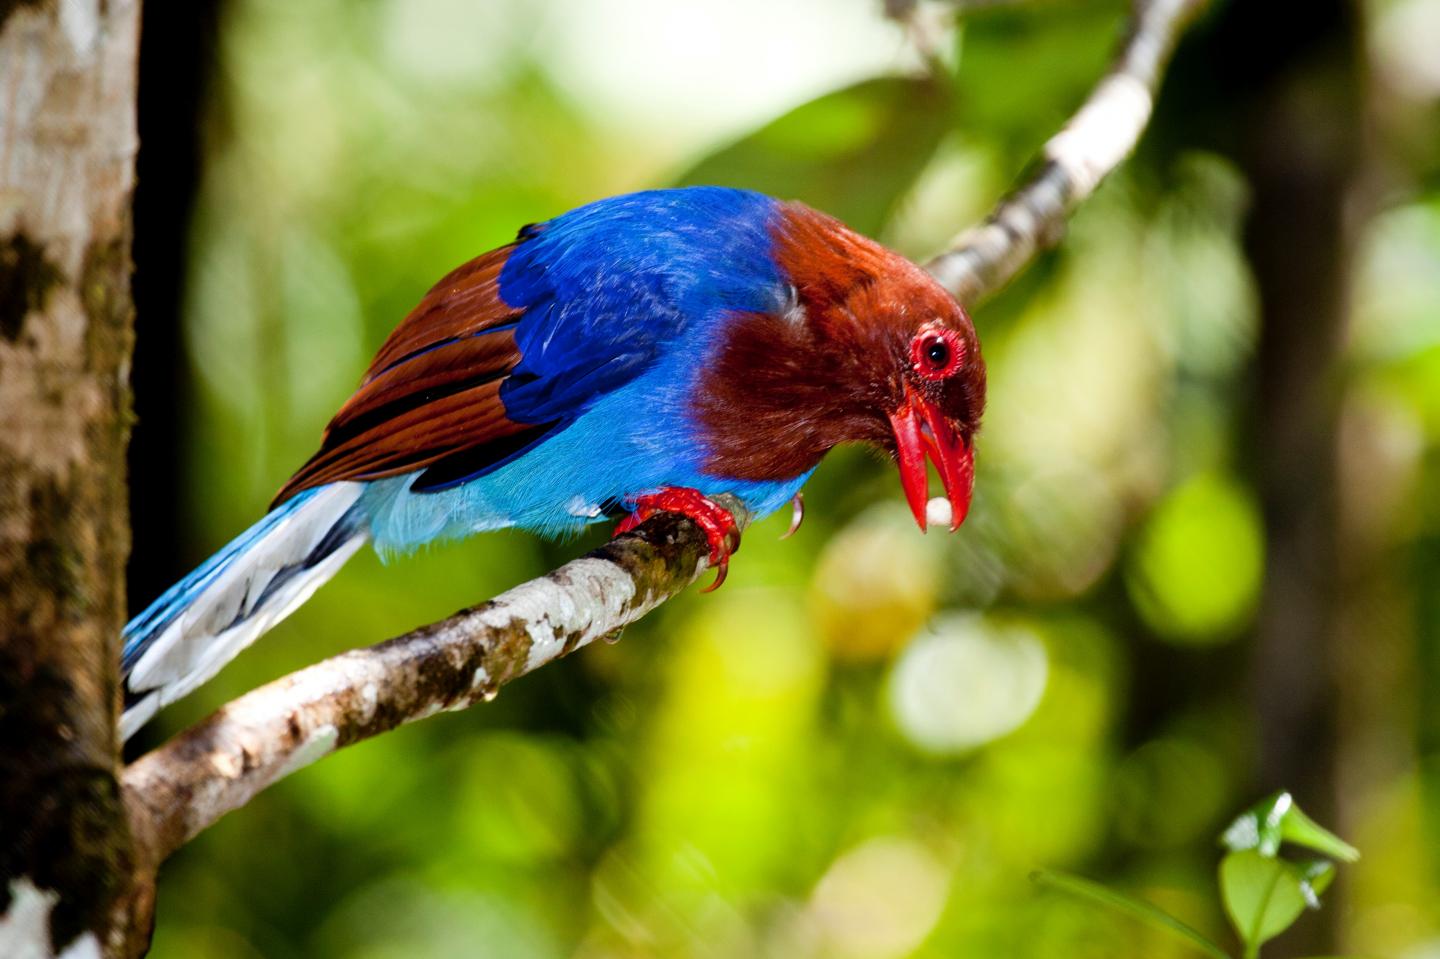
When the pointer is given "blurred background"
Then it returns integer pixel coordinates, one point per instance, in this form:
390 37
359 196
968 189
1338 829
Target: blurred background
1204 557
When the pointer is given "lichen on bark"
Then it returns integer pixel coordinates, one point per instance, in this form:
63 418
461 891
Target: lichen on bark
26 279
7 7
65 336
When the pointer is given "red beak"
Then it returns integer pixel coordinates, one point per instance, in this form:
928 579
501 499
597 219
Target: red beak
920 429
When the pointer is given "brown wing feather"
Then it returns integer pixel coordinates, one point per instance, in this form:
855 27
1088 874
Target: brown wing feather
464 302
433 389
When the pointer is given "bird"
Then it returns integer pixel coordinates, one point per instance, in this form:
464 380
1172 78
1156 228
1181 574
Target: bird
642 353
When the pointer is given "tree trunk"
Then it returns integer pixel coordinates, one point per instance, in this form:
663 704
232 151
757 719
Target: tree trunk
1300 151
67 148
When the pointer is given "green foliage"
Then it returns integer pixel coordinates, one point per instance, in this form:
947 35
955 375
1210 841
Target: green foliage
1277 819
1263 893
1264 896
1195 576
1137 908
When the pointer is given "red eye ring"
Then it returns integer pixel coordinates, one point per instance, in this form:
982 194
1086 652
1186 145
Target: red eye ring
937 352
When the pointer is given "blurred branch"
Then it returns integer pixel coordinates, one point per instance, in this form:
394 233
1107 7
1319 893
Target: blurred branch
1096 140
219 765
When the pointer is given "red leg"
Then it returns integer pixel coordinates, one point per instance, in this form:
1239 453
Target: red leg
719 526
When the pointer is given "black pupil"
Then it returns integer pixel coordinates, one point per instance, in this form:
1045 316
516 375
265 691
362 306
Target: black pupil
938 353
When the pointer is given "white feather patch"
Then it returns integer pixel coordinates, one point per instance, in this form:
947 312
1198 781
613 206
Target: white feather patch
794 312
207 635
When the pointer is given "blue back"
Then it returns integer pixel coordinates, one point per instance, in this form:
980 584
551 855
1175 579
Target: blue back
607 286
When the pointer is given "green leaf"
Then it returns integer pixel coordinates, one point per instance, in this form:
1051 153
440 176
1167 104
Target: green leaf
852 153
1277 819
1136 908
1314 877
1264 896
1300 829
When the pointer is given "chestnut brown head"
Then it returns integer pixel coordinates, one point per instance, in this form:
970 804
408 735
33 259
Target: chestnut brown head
868 348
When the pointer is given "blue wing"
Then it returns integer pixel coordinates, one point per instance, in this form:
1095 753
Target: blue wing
520 343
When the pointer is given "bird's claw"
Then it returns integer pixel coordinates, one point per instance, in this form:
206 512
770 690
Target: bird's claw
719 526
797 515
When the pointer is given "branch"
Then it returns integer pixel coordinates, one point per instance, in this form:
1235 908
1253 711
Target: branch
219 765
1095 141
187 784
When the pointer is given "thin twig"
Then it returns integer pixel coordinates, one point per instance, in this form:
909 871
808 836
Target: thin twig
1095 141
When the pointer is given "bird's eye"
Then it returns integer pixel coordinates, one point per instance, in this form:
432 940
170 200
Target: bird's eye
937 353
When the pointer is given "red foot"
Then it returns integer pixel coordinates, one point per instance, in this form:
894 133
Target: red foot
715 520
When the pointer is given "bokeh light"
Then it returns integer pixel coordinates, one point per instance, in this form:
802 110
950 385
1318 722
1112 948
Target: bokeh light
880 900
875 583
966 681
1195 574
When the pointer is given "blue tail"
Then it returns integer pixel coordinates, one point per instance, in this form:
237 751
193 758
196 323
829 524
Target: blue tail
206 619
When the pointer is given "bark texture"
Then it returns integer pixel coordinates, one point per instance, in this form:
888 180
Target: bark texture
67 148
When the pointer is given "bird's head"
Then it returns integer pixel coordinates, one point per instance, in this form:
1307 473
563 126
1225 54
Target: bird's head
937 412
866 347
